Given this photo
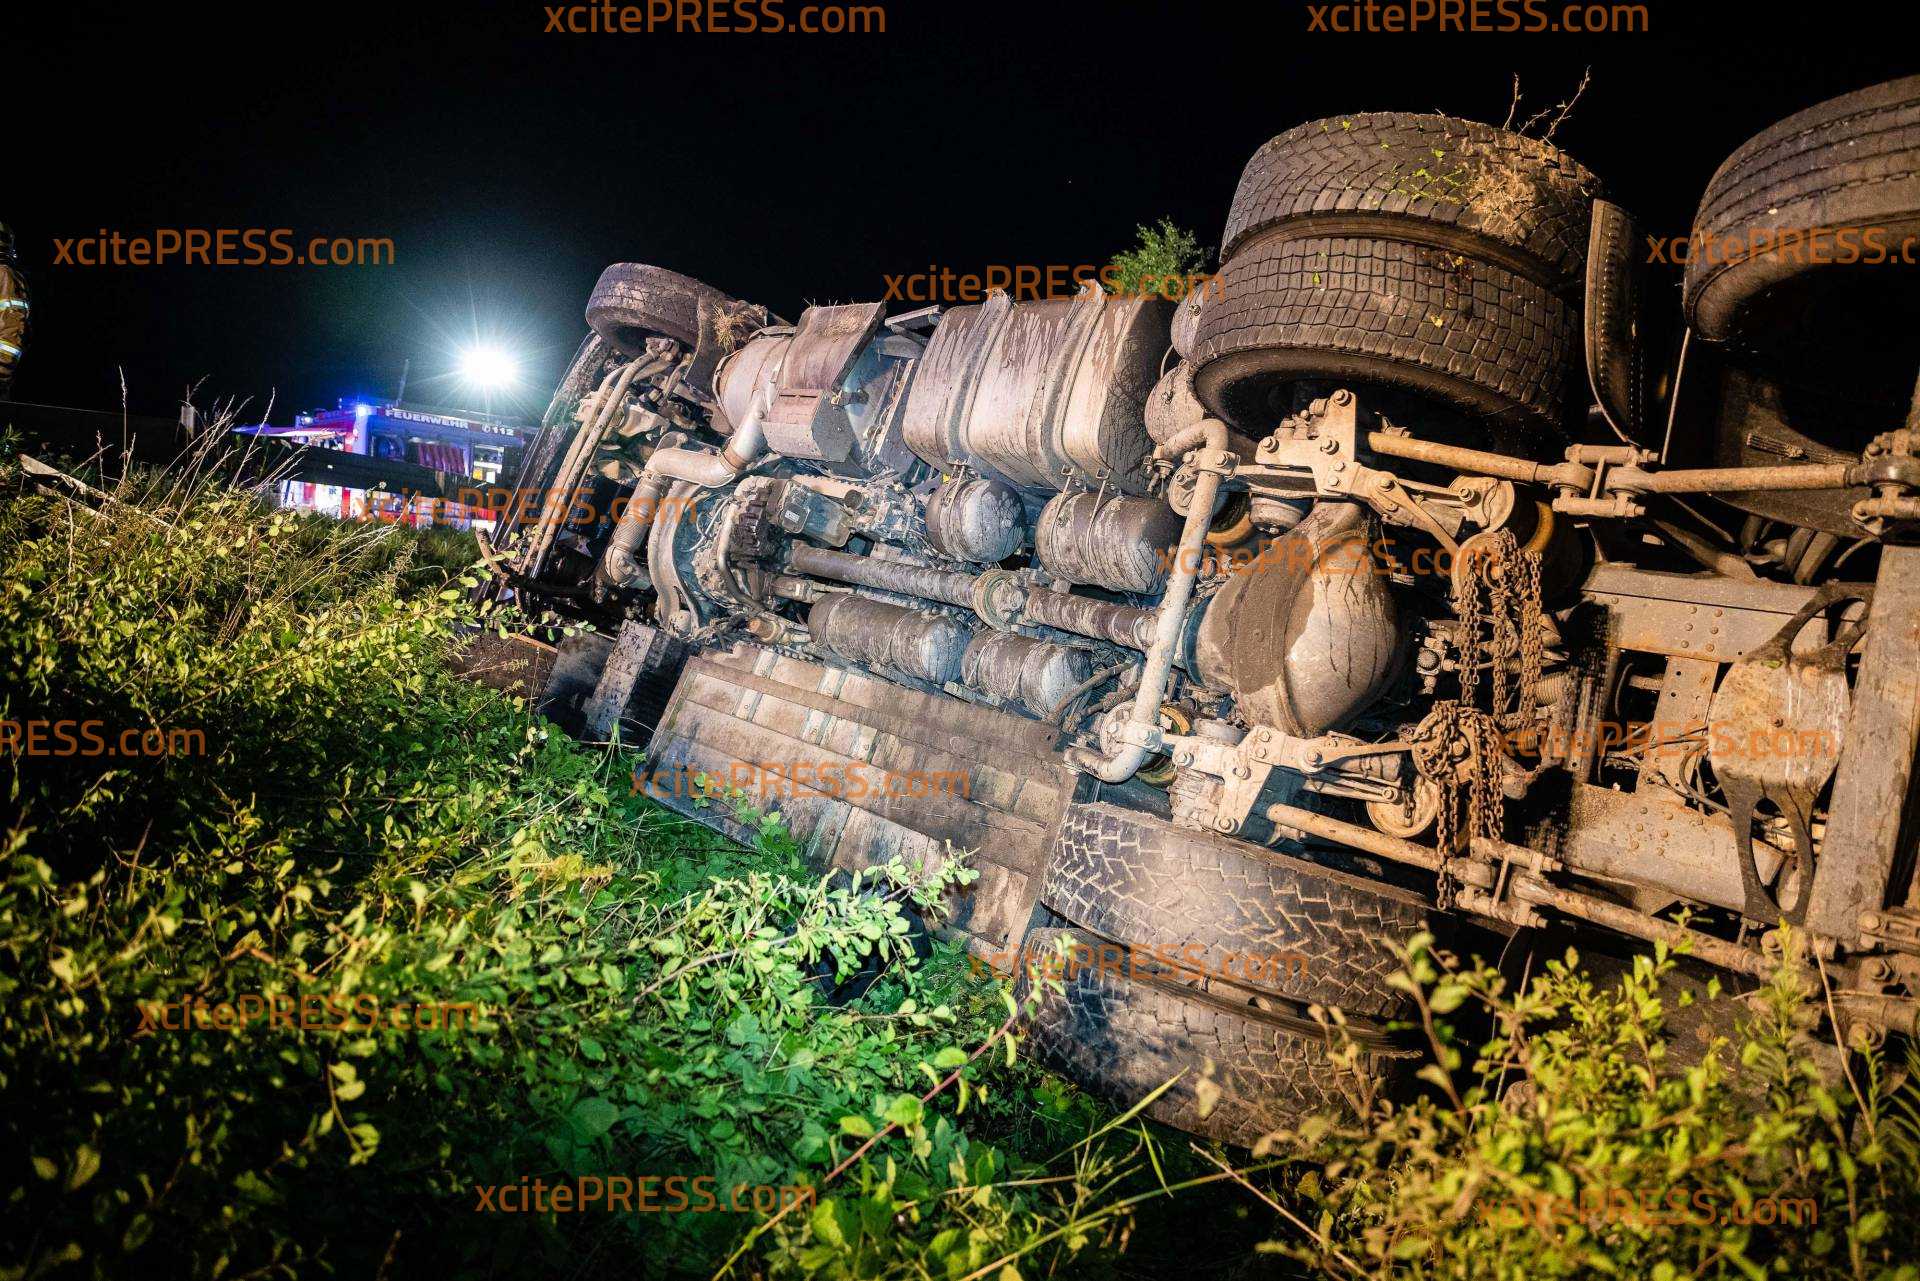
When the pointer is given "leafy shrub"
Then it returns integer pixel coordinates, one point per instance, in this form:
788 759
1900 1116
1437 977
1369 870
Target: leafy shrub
1580 1147
1163 262
363 825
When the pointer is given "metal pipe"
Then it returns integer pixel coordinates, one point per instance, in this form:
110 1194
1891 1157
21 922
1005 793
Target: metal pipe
742 450
710 471
1084 616
1360 838
667 603
1503 466
1058 714
1124 625
1189 438
622 564
687 467
1707 480
946 585
1531 889
1729 956
1141 732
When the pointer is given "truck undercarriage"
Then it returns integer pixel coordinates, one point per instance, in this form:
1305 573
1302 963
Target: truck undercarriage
1399 575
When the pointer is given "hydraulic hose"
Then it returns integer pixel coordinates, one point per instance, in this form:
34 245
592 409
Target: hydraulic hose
579 453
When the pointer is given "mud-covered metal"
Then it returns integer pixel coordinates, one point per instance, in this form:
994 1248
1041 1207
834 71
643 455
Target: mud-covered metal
1172 407
1041 393
925 645
1084 616
1022 669
935 417
1307 634
741 374
808 417
1774 735
1115 541
929 777
976 519
948 586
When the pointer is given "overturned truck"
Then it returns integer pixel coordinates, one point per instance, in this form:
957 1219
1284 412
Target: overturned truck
1403 574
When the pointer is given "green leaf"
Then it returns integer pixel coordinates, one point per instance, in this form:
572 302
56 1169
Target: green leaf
905 1110
831 1222
594 1117
86 1164
858 1126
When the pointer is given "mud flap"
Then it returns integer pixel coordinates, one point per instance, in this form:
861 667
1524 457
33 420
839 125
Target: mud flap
862 771
1616 283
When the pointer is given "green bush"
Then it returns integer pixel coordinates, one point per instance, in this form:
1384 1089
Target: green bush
1578 1143
363 826
1163 261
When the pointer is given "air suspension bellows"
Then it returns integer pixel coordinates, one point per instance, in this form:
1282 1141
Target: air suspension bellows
874 633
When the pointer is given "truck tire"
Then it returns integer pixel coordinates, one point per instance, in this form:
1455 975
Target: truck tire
1389 313
1489 191
1417 253
632 301
1843 324
1141 881
1121 1037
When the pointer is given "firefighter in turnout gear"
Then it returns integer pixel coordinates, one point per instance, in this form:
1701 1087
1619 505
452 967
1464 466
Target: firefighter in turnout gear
13 311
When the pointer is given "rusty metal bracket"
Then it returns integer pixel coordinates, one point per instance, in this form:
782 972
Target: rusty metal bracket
1897 929
1873 821
1245 768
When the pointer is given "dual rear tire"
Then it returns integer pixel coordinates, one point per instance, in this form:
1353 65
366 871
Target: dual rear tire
1199 957
1432 261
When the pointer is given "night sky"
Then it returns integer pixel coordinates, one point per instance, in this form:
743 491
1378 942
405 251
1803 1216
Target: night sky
508 165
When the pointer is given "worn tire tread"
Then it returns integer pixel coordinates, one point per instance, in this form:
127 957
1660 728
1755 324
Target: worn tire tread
1140 881
1520 193
1120 1038
1393 313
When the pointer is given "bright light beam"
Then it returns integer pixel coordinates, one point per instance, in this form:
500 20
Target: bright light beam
488 368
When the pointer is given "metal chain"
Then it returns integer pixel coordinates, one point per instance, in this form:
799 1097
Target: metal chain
1533 636
1507 580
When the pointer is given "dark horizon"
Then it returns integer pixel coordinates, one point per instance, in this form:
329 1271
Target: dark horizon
508 165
